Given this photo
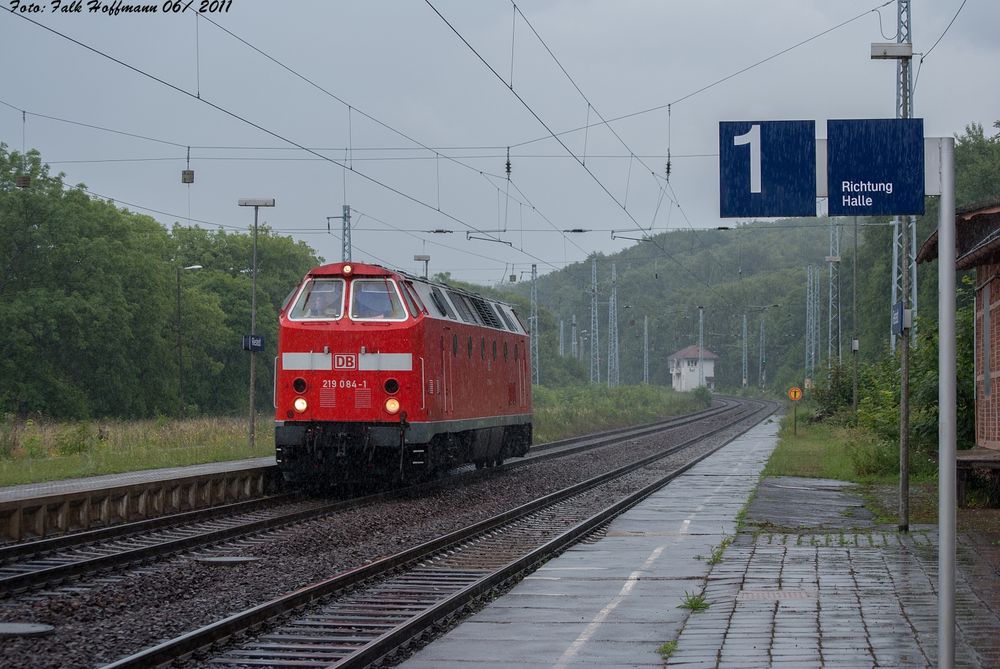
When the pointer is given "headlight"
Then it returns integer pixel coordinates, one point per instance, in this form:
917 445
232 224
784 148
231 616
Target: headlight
300 404
392 405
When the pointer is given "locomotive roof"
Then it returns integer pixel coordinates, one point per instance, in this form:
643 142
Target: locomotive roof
368 270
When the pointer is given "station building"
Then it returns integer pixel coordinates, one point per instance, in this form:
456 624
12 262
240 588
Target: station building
977 242
683 367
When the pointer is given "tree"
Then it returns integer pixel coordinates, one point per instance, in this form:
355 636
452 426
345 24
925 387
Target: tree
88 300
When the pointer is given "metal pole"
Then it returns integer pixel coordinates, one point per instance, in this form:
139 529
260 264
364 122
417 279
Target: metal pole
573 335
595 365
762 363
256 203
744 349
854 322
904 391
180 358
701 346
613 330
346 236
535 332
253 331
947 427
905 82
645 350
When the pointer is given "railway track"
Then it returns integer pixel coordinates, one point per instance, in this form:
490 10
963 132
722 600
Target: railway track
361 616
33 565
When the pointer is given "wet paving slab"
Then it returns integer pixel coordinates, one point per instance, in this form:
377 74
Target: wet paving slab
809 580
834 589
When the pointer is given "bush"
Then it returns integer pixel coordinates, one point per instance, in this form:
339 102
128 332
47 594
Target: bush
81 438
834 390
875 458
10 436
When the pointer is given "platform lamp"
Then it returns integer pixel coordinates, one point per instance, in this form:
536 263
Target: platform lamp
256 203
180 348
425 259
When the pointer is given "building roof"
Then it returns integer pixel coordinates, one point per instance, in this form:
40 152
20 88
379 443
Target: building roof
691 352
977 236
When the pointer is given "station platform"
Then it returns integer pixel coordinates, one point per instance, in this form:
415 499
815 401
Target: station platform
92 483
810 581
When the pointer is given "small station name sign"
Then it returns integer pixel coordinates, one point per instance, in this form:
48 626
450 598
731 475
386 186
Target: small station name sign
867 167
253 343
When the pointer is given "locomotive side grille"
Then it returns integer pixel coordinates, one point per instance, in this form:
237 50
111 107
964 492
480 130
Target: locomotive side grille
486 312
327 398
363 398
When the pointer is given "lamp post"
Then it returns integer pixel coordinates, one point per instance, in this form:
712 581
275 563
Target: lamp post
256 203
902 52
424 258
180 348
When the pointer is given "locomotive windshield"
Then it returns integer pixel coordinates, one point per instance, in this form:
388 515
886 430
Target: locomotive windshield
375 299
321 299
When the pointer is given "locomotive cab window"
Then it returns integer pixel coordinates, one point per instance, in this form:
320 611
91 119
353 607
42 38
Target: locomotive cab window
410 304
376 299
442 304
319 299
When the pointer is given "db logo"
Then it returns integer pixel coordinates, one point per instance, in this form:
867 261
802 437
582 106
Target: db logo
345 361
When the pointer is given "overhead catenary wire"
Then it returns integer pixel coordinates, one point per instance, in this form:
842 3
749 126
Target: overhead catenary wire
563 144
253 124
718 81
350 107
923 57
348 160
349 152
663 187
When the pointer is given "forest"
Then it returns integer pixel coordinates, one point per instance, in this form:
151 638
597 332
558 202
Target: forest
91 294
107 313
757 270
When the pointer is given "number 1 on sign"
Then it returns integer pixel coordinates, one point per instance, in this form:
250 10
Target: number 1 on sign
753 139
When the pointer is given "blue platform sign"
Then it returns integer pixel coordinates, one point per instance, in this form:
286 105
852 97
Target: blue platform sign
875 167
253 343
897 318
767 168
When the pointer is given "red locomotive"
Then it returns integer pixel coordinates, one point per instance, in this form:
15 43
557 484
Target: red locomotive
382 374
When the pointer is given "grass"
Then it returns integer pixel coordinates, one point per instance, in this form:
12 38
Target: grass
696 603
33 451
567 412
829 450
667 649
717 552
819 450
38 450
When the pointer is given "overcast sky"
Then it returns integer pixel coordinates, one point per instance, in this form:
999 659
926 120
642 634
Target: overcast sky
409 126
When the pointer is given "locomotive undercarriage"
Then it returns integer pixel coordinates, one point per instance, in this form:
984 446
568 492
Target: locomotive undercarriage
348 454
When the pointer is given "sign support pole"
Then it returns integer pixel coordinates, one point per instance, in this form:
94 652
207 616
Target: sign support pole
947 425
253 331
904 390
